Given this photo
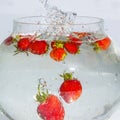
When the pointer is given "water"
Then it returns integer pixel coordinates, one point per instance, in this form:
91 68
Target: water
56 14
19 79
98 72
57 17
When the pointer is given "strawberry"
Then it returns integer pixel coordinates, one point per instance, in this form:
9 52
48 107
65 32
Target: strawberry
71 89
76 40
81 34
71 47
58 54
77 37
50 107
23 44
8 40
103 44
38 47
57 44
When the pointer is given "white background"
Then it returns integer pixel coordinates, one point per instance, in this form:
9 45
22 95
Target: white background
109 10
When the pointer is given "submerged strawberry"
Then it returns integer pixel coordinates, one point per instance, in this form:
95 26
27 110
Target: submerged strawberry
23 44
81 34
71 47
71 89
50 107
58 54
38 47
75 39
8 40
103 44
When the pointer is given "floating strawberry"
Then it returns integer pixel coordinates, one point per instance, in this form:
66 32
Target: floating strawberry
8 40
23 44
75 39
103 44
38 47
71 47
58 54
71 89
50 107
81 34
57 44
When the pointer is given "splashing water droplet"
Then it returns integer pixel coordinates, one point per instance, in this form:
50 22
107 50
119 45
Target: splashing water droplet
58 20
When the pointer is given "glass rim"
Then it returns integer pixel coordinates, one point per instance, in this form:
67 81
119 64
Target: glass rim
96 20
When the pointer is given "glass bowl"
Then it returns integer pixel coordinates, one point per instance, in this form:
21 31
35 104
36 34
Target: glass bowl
55 71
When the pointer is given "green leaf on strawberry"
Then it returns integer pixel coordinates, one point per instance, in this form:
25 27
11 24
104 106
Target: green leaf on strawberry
57 44
42 92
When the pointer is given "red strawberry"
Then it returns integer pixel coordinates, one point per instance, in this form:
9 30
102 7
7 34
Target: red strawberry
58 54
8 40
71 47
50 107
102 44
77 37
38 47
23 44
71 89
81 34
57 44
75 40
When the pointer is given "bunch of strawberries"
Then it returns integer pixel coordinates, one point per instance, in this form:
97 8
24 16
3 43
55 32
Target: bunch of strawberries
30 43
50 106
59 48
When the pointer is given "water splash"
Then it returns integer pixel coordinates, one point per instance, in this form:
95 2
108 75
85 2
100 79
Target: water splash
57 17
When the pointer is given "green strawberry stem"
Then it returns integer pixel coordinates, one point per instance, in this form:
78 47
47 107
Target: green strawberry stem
42 93
17 51
67 76
16 39
59 44
78 52
96 47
